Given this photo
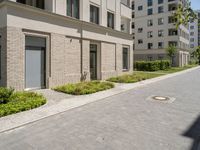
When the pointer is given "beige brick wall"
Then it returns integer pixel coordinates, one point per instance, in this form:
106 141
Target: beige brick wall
108 60
64 65
15 58
65 60
86 59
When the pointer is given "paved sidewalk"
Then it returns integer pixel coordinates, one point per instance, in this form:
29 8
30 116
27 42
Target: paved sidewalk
59 102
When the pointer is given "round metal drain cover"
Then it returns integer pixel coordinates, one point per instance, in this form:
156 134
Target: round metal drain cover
160 98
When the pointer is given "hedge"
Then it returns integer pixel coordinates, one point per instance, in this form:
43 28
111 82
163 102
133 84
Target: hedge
13 102
152 65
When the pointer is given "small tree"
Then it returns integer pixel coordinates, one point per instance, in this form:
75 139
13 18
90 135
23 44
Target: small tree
184 14
196 53
171 52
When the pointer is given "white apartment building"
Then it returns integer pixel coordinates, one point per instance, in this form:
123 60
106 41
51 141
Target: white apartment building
46 43
198 12
154 30
193 28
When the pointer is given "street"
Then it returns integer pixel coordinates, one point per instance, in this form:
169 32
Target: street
127 121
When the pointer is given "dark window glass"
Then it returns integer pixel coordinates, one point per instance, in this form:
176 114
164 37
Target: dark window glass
150 11
73 8
150 45
149 23
140 7
110 20
125 58
160 1
94 14
149 2
160 44
160 9
36 3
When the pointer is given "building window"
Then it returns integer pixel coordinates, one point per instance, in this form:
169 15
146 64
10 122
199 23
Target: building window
140 41
150 23
150 2
110 20
125 58
133 14
94 14
160 9
160 45
140 8
171 19
73 8
150 11
133 25
160 21
133 5
191 33
36 3
140 30
160 1
160 33
191 45
192 40
173 32
150 45
191 27
150 34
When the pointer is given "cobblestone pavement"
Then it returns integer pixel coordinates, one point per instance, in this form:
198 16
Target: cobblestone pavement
127 121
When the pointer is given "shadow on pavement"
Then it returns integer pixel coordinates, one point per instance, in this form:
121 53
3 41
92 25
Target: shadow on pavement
194 133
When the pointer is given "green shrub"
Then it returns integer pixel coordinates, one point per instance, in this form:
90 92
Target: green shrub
152 65
5 94
14 102
84 88
135 77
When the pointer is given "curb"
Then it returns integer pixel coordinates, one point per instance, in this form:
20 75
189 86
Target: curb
18 120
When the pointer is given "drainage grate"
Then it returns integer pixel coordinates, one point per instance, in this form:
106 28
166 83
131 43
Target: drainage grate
164 99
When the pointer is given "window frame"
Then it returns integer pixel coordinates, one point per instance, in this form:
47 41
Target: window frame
160 23
72 10
148 46
149 12
162 33
112 23
127 66
150 22
93 20
149 3
150 34
160 10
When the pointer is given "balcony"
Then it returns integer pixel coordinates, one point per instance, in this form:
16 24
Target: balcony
126 11
126 2
173 32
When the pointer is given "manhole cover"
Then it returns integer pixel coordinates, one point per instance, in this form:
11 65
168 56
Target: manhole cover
164 99
160 98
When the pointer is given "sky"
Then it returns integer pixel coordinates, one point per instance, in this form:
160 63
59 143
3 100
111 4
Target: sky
196 4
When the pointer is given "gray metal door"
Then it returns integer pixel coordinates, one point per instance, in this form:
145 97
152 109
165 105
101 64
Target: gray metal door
35 67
